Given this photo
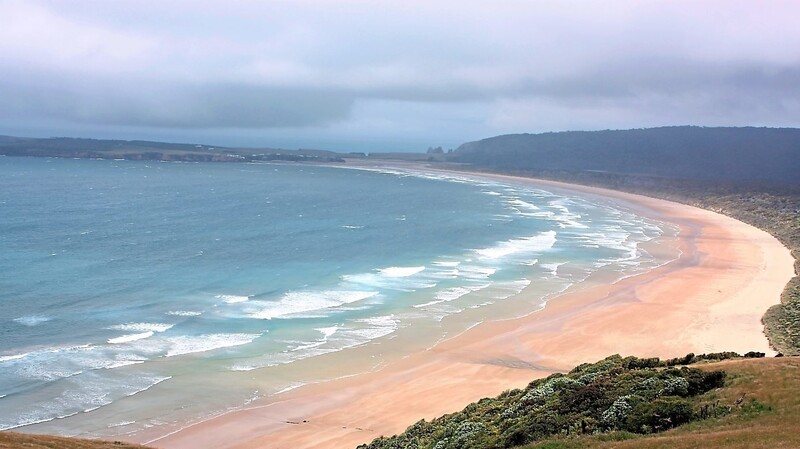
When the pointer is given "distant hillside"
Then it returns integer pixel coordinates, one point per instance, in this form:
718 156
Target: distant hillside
153 151
765 155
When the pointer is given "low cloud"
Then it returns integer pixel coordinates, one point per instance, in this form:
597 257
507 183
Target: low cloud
174 105
512 66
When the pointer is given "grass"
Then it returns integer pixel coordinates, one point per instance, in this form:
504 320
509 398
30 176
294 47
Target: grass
767 415
13 440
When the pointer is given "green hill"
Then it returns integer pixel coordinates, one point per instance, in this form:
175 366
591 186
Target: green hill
767 155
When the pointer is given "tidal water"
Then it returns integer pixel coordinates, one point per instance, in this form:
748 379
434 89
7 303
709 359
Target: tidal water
126 287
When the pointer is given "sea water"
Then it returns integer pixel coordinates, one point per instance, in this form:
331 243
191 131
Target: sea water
141 296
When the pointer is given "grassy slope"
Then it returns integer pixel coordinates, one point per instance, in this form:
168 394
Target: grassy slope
12 440
768 417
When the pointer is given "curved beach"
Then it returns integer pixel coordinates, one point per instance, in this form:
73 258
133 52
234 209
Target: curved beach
710 299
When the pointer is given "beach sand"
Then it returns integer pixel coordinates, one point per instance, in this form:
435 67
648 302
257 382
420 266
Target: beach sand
710 299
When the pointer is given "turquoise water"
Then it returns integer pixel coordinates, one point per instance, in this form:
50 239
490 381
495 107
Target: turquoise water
126 285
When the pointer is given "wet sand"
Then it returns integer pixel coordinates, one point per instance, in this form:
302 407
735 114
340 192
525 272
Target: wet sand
710 299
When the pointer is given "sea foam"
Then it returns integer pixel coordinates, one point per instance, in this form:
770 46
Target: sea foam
130 337
400 272
370 329
533 244
142 327
233 299
84 396
452 294
186 313
293 303
404 279
184 344
32 320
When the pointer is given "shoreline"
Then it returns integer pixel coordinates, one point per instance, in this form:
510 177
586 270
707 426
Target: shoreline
710 299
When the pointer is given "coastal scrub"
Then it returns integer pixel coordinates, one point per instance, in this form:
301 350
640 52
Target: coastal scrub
634 395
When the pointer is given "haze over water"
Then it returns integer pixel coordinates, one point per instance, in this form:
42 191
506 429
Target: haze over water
126 286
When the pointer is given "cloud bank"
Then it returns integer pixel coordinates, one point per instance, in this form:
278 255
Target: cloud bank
392 74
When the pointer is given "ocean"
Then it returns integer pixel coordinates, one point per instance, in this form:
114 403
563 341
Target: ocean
138 297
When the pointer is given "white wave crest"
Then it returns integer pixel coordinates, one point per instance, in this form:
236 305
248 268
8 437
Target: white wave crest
8 358
121 363
476 272
400 272
532 244
32 320
375 327
327 332
447 263
184 313
394 278
508 289
307 301
185 344
142 327
120 424
517 203
552 267
130 337
233 299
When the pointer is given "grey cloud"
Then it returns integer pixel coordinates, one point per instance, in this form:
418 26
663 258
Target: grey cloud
636 76
376 68
745 92
136 103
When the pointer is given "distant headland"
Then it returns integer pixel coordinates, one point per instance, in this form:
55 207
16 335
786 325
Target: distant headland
730 154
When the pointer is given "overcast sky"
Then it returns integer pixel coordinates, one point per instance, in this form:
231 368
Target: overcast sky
369 75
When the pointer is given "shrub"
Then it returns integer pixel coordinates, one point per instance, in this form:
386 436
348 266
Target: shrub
617 394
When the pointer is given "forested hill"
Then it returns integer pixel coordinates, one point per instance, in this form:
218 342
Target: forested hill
770 155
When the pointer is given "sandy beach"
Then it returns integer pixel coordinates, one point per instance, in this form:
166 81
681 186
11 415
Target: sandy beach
710 299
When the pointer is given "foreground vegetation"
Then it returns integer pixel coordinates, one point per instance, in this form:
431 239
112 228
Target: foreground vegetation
631 395
758 407
13 440
764 413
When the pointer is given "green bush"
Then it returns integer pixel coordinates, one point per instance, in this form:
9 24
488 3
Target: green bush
615 394
660 414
